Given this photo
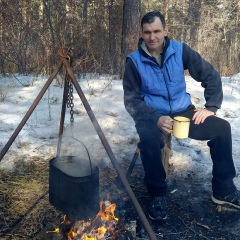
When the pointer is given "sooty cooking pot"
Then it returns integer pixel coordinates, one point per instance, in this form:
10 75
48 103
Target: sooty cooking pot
74 187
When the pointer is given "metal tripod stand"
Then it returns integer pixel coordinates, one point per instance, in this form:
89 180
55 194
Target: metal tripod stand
65 59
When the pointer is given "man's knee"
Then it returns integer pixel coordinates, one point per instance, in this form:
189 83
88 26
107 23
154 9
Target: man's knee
149 133
223 127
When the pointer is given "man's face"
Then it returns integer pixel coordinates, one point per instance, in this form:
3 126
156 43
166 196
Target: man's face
153 34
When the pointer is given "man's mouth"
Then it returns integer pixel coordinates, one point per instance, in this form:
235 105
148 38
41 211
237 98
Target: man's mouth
152 44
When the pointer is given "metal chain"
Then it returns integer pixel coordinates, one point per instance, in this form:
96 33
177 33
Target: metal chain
71 104
70 97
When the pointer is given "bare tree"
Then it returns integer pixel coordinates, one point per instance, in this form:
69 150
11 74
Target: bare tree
48 12
194 14
166 11
130 29
103 32
113 35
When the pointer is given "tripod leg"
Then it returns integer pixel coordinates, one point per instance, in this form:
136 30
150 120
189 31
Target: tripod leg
132 164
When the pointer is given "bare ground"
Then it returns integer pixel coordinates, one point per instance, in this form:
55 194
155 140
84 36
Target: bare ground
25 210
191 212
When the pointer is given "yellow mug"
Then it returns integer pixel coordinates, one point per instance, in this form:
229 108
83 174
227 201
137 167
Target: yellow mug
181 127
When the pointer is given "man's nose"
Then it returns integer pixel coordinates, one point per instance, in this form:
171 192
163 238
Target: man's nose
151 36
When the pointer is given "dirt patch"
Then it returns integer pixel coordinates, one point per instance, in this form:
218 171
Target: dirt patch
191 212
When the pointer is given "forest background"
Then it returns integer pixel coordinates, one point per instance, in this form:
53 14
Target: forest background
102 32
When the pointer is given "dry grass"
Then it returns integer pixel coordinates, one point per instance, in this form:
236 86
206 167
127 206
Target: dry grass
24 206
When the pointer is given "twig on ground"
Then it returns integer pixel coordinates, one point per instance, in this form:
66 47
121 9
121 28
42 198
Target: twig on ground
203 225
192 229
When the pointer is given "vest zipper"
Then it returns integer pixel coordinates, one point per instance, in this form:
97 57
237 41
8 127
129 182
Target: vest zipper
169 97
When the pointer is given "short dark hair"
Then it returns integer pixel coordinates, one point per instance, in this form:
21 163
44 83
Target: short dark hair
150 17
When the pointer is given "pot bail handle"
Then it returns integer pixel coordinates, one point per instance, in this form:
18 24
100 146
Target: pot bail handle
90 161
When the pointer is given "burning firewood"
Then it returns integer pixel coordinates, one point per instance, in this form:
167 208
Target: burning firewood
104 226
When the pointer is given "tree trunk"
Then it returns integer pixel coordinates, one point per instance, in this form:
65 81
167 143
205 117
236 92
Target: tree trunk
194 13
166 11
47 7
85 12
130 30
112 38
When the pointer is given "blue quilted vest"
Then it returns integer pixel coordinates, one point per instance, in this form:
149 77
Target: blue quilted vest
163 89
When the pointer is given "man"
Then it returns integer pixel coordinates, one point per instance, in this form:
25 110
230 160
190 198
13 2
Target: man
155 91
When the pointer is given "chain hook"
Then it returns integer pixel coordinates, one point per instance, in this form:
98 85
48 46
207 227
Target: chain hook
67 53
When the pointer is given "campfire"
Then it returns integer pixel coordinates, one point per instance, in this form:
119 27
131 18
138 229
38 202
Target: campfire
104 226
74 190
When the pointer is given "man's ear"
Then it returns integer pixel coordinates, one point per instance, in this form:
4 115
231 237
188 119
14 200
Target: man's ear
166 31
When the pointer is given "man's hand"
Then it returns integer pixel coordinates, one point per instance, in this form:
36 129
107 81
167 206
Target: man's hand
166 124
200 115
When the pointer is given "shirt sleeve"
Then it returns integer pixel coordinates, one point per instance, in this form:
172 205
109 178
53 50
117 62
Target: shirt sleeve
202 71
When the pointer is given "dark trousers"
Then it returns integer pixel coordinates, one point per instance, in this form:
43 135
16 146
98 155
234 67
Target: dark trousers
214 129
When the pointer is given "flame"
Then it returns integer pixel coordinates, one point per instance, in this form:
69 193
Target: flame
71 235
56 230
108 213
101 230
64 219
98 231
96 234
90 238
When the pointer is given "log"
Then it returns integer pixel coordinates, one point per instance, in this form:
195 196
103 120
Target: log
167 138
